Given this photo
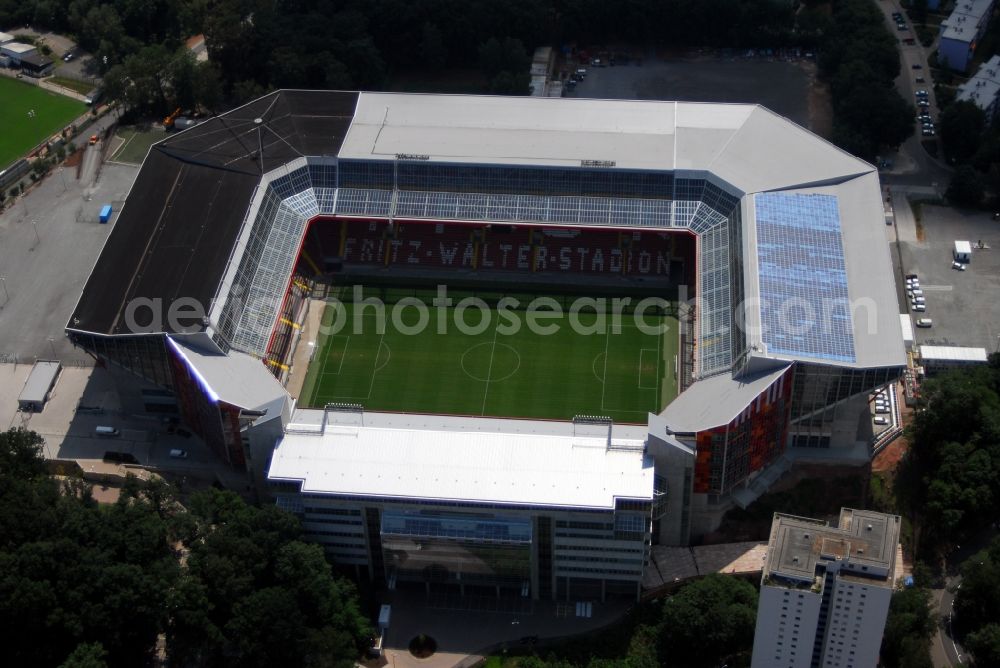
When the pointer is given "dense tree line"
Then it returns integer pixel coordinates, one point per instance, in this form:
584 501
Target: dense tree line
973 146
708 623
909 626
83 584
859 58
977 606
948 482
256 45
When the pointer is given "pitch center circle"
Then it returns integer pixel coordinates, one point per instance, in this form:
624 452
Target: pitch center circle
490 362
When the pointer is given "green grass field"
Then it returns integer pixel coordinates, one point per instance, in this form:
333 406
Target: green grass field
81 87
525 374
136 144
19 133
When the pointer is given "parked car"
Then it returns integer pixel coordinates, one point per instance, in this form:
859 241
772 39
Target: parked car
881 420
178 454
919 308
927 132
924 322
918 80
958 265
917 66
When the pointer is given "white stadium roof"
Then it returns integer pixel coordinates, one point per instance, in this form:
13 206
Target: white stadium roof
475 460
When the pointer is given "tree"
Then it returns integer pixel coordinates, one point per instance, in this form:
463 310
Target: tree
86 655
432 49
257 596
908 630
967 187
961 129
21 455
82 585
507 55
985 645
977 603
708 621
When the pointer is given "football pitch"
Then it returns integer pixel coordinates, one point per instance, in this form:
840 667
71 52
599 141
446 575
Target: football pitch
591 369
21 132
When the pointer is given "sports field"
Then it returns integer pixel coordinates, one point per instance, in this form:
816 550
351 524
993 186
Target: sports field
589 370
19 132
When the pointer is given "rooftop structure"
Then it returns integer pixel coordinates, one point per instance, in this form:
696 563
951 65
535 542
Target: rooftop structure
953 354
750 183
983 87
962 31
38 385
474 460
864 542
17 49
825 591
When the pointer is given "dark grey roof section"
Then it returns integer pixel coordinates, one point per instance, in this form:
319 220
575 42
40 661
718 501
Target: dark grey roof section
178 226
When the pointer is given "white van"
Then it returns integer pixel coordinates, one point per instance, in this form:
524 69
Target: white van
924 322
106 432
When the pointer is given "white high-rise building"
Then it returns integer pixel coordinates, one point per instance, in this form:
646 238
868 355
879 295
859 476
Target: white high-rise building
825 591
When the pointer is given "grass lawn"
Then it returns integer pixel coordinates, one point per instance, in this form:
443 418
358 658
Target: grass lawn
137 143
19 133
498 371
81 87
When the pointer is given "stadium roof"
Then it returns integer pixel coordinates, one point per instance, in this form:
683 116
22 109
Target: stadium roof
177 229
716 401
474 460
217 212
236 378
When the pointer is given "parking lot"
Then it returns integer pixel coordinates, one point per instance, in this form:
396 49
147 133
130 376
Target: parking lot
49 242
782 86
961 304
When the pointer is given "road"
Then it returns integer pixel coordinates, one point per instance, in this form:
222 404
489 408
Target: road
914 166
946 652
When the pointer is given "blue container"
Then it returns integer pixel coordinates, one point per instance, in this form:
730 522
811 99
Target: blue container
105 214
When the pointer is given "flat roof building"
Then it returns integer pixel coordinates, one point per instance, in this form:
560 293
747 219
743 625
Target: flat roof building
39 385
825 591
983 88
961 32
935 359
531 508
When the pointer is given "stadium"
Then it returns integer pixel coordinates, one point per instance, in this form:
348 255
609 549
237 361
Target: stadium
715 279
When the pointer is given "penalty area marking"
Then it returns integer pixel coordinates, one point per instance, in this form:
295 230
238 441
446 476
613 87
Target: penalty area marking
643 351
343 355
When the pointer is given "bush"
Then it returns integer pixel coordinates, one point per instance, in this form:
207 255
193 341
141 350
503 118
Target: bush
967 187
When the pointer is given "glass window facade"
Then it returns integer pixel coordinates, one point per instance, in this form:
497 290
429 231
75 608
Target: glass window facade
473 550
488 193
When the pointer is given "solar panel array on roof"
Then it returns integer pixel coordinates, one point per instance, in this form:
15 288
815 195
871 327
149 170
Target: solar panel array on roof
800 255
